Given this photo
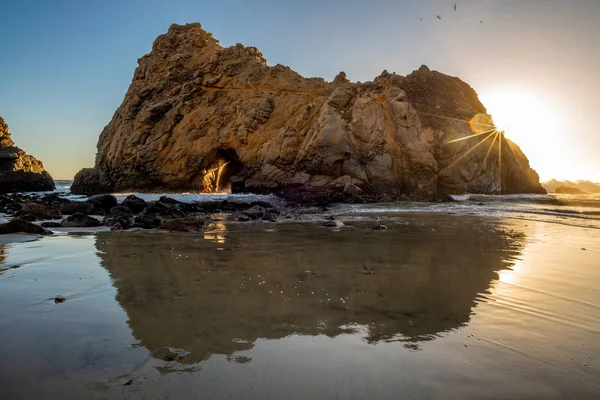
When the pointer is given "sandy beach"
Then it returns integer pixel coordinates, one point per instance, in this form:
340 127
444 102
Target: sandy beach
437 306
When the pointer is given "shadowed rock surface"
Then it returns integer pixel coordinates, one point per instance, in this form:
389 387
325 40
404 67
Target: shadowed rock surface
198 116
20 172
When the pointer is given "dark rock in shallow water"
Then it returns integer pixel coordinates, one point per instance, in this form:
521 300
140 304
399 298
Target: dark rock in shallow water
125 220
193 225
51 224
18 225
271 217
103 201
168 200
147 221
255 212
333 223
79 220
76 207
136 204
27 217
120 209
117 227
41 211
378 228
59 299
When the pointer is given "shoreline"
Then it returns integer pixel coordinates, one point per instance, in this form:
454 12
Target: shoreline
155 209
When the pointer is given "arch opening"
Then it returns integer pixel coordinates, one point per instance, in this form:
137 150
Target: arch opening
218 179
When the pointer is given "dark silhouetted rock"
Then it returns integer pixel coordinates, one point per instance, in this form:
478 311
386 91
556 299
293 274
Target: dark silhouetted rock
20 226
378 228
79 220
41 211
136 204
270 217
27 217
333 224
88 182
255 212
103 201
77 207
193 225
51 224
120 209
20 172
125 220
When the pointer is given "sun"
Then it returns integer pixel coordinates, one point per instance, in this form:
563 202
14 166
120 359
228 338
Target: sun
532 121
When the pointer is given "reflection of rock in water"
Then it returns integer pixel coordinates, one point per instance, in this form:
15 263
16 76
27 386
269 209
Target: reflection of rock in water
219 293
2 253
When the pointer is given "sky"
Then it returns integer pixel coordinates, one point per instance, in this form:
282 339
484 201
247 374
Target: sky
65 65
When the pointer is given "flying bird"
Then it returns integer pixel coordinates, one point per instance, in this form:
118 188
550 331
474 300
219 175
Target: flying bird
455 7
438 17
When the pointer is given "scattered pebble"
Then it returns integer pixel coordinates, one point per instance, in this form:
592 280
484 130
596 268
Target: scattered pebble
128 383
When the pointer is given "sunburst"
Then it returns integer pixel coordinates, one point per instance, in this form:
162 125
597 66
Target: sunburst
484 129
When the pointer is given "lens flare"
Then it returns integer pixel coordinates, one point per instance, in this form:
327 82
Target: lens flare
483 128
480 123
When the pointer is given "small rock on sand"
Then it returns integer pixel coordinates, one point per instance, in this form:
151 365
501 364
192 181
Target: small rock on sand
378 228
336 223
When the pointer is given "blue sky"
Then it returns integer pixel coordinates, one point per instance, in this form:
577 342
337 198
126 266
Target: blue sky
66 65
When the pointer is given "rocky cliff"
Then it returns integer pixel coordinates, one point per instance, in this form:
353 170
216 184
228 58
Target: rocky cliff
20 172
198 116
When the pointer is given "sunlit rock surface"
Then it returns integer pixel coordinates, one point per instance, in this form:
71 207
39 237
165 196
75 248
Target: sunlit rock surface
201 117
20 172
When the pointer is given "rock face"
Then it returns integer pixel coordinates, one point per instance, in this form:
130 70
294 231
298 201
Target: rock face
20 172
198 116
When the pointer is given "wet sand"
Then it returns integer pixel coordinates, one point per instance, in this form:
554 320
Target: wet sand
437 306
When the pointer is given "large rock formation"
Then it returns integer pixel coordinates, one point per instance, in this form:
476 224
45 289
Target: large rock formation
198 116
20 172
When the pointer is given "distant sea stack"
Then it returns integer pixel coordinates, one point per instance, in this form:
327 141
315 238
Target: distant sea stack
20 172
580 187
201 117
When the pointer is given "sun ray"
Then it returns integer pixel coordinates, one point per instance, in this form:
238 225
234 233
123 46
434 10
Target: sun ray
469 151
490 149
500 161
470 136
